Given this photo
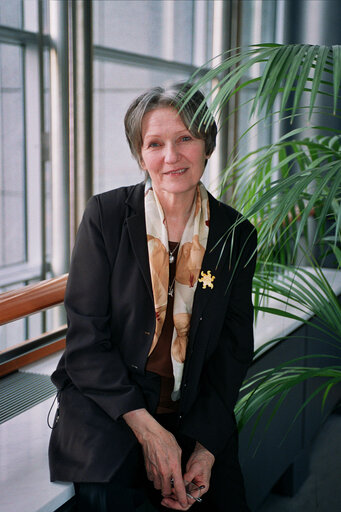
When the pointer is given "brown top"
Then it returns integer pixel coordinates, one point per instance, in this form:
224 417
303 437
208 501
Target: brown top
160 361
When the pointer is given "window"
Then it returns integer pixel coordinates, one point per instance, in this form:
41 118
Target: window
22 197
12 150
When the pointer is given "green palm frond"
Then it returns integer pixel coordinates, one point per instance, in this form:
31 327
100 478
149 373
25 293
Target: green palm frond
273 385
285 71
298 293
337 73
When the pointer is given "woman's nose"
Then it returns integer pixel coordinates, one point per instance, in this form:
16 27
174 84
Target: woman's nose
171 154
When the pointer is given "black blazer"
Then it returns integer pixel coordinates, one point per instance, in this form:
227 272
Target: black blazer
111 320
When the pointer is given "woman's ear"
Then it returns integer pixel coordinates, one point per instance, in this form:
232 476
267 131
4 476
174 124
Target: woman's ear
207 157
142 164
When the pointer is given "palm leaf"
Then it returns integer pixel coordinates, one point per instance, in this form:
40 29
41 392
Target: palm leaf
321 58
274 383
285 69
337 73
292 76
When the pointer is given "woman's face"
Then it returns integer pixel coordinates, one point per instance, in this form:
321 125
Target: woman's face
174 159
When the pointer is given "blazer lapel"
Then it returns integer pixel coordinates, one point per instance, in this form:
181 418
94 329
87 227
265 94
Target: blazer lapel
215 259
137 232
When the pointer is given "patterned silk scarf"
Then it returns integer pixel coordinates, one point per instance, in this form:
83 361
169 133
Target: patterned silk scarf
190 255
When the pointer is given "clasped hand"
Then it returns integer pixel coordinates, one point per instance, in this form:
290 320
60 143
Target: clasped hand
162 456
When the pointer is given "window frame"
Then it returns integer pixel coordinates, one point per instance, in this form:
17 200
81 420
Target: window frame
32 267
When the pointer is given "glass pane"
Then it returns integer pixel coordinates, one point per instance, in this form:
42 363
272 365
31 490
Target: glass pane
12 161
113 163
11 13
11 66
13 333
46 16
31 15
22 329
258 22
160 29
14 248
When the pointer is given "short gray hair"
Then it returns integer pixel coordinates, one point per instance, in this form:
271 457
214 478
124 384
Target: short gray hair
172 96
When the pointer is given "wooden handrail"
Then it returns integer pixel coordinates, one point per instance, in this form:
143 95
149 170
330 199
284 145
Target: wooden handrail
30 299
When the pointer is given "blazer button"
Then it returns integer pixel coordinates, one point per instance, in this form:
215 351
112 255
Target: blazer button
200 319
134 366
147 333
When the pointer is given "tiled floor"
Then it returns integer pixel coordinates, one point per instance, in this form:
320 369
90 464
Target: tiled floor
321 492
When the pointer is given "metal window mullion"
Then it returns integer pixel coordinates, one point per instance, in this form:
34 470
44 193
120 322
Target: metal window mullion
222 20
43 225
60 145
82 102
33 131
42 142
59 137
199 33
23 85
144 61
22 14
13 35
168 29
193 32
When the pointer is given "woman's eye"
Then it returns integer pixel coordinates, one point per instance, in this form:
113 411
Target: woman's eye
153 144
185 138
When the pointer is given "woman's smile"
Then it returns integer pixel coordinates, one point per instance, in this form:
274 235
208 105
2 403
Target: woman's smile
176 172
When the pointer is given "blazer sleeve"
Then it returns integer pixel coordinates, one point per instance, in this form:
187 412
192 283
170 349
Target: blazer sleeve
211 420
92 359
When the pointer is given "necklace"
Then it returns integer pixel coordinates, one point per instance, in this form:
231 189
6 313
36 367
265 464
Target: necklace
171 288
171 260
171 253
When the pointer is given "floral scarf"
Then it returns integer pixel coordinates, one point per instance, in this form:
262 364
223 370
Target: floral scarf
190 255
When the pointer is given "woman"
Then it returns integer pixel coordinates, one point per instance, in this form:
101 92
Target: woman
159 329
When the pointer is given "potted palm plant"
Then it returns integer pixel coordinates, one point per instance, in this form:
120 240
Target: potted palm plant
291 190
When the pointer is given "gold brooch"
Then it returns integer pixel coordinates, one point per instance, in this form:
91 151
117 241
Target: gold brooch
206 279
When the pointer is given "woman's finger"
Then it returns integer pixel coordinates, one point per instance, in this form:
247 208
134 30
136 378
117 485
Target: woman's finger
179 488
166 485
174 504
157 482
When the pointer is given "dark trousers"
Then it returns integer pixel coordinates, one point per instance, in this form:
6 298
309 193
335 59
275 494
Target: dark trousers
130 491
